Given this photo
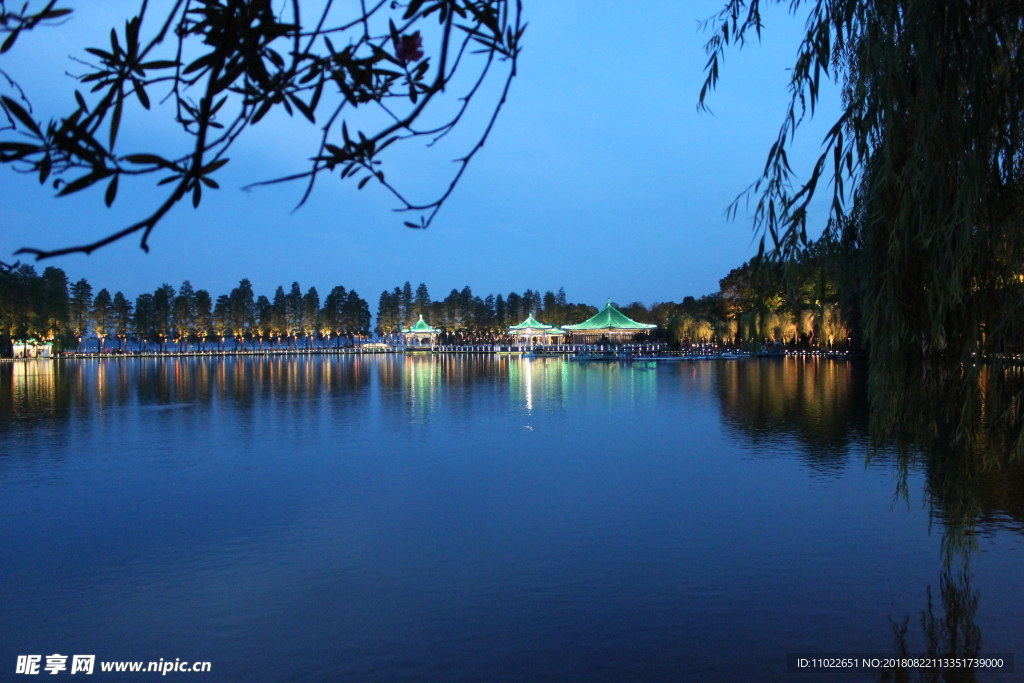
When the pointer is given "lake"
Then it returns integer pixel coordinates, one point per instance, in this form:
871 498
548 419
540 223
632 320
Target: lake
443 518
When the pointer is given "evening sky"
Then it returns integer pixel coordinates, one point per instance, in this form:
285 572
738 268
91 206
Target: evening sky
600 176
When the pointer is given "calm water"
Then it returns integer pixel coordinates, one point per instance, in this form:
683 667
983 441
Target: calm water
444 519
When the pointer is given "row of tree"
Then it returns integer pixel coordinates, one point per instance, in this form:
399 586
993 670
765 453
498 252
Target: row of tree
759 303
799 302
47 307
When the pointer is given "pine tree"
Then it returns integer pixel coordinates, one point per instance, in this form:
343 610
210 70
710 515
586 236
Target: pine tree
54 310
102 317
334 311
310 315
204 316
122 315
81 308
422 305
185 312
163 313
407 304
386 318
143 327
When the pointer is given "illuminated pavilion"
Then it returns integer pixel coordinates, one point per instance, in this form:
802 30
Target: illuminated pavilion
420 335
531 331
609 326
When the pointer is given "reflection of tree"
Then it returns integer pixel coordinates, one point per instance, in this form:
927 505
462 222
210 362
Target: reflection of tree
972 483
954 633
973 478
39 390
961 428
34 389
969 494
819 402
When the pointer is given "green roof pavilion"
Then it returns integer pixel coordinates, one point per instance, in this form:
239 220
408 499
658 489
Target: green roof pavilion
533 331
421 325
531 323
421 335
611 324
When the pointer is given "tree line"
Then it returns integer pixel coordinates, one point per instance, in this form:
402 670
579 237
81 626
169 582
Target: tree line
802 302
760 302
48 307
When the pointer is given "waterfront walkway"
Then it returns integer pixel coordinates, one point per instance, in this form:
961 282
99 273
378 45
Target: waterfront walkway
637 352
375 349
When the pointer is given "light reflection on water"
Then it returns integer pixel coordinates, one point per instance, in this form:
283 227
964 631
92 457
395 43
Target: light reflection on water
442 518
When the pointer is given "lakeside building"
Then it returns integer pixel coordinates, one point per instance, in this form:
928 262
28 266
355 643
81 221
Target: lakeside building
420 336
532 331
609 326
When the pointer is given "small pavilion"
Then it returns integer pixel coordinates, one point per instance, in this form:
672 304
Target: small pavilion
31 348
531 331
609 326
420 335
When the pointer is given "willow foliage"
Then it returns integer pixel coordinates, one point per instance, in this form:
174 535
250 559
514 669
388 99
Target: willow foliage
924 166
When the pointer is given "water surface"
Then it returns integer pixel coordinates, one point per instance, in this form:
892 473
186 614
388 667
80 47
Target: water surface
473 519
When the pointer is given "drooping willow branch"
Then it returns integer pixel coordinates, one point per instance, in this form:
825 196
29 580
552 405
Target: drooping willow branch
782 201
926 164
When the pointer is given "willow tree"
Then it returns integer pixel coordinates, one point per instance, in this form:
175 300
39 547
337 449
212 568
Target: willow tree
924 170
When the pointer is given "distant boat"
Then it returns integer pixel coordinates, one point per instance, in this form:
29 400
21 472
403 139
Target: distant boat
542 354
584 356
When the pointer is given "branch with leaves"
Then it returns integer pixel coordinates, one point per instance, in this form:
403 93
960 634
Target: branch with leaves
399 59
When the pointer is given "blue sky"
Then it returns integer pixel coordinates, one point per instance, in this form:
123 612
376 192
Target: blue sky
600 176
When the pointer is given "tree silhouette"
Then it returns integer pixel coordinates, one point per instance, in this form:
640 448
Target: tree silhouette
204 316
81 307
310 315
122 311
163 314
322 61
53 310
334 312
241 311
264 317
102 317
185 313
143 321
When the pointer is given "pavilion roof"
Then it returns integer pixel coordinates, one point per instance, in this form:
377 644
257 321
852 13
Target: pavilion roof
420 326
610 318
531 323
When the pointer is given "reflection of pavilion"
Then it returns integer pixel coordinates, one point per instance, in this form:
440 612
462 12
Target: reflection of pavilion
422 378
33 386
531 331
610 325
420 336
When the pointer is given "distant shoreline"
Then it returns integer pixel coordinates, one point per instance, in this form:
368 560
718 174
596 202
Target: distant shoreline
467 350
